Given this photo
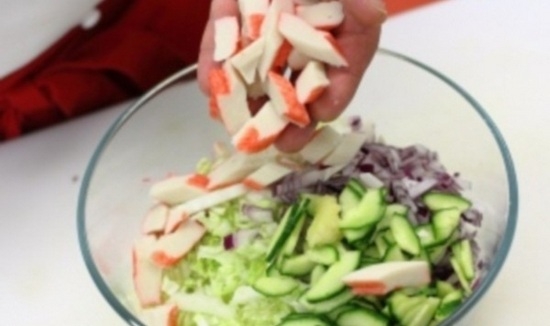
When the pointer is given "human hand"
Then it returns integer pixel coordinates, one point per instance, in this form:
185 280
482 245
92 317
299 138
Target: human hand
357 38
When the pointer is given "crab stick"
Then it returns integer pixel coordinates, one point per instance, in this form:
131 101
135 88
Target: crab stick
164 315
233 105
382 278
266 175
322 15
324 141
155 219
252 15
246 61
274 48
296 60
181 214
347 149
226 37
170 248
314 43
177 189
261 131
146 276
285 101
311 82
235 168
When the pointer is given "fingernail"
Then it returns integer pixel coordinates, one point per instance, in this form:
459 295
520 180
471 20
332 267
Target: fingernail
380 6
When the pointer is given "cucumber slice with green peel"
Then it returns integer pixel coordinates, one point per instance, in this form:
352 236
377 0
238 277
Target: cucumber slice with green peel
436 201
361 316
357 187
443 288
405 235
324 255
394 253
291 219
370 210
461 277
372 252
354 235
424 314
426 235
327 305
381 245
462 250
316 273
350 197
402 305
333 314
388 237
275 286
449 303
445 222
304 319
298 265
396 209
331 282
290 244
324 228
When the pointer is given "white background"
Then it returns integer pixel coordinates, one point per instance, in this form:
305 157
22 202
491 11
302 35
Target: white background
498 50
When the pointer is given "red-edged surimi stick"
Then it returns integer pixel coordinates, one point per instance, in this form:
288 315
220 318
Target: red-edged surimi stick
181 214
296 60
164 315
252 15
233 106
314 43
382 278
311 82
246 61
347 149
306 2
261 131
256 89
266 175
177 189
321 144
226 37
219 86
155 219
273 38
323 15
235 168
147 277
171 248
285 101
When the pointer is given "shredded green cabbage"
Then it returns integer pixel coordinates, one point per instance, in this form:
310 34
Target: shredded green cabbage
215 275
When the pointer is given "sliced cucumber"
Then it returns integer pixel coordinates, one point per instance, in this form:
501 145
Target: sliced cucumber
291 219
327 305
462 250
357 187
304 319
316 273
298 265
423 314
405 235
461 276
401 305
396 209
275 286
445 222
351 195
324 227
370 210
436 201
354 235
324 255
290 245
394 253
331 282
450 302
443 288
426 235
361 316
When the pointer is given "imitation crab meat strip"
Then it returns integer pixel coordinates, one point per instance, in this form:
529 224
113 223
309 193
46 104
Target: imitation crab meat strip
177 189
170 248
266 175
323 142
284 98
226 37
146 276
181 214
155 219
252 15
311 82
261 131
322 15
246 61
314 43
233 105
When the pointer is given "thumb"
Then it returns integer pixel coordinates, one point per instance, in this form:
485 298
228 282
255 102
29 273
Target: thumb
366 12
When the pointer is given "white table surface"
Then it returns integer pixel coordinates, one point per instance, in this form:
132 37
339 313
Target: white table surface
499 50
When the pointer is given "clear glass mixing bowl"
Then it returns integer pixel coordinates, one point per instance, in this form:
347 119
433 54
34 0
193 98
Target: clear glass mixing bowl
169 130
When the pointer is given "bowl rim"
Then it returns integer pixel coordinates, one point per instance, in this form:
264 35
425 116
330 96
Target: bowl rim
500 255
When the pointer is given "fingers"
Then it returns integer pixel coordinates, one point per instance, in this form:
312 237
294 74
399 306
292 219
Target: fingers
358 39
293 138
218 9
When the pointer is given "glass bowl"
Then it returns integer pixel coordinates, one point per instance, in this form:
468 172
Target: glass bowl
169 130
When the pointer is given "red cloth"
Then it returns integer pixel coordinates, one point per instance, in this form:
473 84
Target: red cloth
134 46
